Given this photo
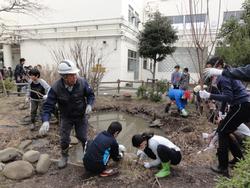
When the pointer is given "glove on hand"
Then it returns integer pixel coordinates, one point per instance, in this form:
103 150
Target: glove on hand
44 128
88 109
208 72
204 94
146 165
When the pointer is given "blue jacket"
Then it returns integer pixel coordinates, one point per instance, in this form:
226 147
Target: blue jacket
71 104
102 147
240 73
176 95
232 91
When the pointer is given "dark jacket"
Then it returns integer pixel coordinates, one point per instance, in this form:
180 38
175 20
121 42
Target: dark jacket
19 71
232 91
240 73
100 149
71 104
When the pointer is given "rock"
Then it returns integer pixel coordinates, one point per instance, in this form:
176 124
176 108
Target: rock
43 164
2 167
8 154
18 170
187 129
156 123
24 144
73 140
31 156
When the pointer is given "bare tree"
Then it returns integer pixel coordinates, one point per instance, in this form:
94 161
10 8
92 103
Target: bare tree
87 57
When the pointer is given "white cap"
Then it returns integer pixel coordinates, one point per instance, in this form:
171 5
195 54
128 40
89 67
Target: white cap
67 67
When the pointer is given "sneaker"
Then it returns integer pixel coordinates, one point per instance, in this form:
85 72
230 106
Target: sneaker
109 172
62 163
223 171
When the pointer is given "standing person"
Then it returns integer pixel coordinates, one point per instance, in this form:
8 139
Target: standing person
162 150
101 148
185 79
10 73
75 99
37 92
234 93
175 77
19 73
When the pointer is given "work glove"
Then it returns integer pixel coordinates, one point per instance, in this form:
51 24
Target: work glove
221 115
88 109
44 128
45 97
204 94
147 165
184 112
208 72
122 148
27 100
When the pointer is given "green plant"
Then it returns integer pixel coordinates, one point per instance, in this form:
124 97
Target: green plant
155 96
162 86
9 85
142 92
241 172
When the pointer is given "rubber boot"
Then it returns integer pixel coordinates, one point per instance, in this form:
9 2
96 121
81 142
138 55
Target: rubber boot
62 163
165 171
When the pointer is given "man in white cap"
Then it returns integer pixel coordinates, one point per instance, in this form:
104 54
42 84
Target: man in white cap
75 99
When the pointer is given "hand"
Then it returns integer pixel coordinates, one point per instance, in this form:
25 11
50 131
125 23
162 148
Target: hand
208 72
121 154
221 115
122 148
44 128
146 165
27 100
204 94
184 112
45 97
88 109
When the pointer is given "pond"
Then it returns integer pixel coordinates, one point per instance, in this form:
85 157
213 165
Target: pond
131 125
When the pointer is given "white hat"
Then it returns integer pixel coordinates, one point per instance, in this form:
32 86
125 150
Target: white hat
67 67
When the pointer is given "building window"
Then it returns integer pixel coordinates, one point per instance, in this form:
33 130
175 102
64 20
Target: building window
130 14
232 14
195 18
176 19
132 60
145 64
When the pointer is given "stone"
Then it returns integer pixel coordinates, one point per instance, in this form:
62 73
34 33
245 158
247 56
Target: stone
156 123
8 154
18 170
2 165
43 164
31 156
24 144
73 140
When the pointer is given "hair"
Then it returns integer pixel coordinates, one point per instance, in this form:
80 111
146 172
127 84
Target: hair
22 60
185 69
114 127
177 66
34 72
139 138
215 62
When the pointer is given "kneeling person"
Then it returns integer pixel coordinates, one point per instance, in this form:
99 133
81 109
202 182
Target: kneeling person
101 148
160 149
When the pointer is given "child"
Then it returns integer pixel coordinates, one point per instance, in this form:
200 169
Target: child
180 97
101 148
38 89
160 149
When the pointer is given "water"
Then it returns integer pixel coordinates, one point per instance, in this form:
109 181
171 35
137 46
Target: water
131 125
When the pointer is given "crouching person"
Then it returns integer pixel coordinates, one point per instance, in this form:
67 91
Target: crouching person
160 149
101 149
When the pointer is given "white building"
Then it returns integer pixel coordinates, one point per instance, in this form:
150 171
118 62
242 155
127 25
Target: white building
111 27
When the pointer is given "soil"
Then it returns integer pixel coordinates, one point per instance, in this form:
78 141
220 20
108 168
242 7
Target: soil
193 171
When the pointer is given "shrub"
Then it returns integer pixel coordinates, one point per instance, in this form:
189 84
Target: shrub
241 172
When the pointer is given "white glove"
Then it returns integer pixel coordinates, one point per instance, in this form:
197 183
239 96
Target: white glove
222 116
204 94
44 128
27 100
122 148
184 112
45 97
88 109
121 154
146 165
208 72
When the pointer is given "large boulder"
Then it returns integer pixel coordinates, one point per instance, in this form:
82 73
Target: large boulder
8 154
2 165
24 144
31 156
43 164
18 170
